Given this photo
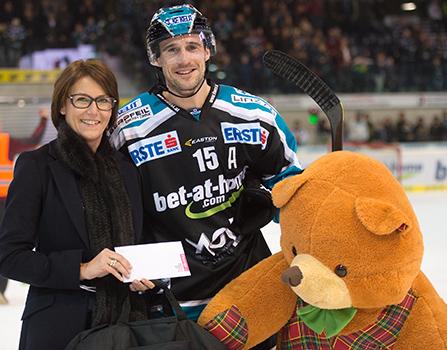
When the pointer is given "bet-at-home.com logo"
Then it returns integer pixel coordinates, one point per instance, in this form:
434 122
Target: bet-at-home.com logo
203 200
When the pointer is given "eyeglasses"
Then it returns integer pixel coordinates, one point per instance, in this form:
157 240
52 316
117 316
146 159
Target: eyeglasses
83 101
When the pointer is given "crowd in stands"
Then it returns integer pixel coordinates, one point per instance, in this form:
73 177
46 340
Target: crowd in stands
361 129
354 45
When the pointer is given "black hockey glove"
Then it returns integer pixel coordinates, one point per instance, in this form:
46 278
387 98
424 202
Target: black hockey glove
254 208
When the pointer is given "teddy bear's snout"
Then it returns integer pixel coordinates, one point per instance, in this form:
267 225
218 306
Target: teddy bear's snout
292 276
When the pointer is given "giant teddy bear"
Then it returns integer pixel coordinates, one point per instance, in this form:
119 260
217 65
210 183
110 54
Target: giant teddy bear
348 274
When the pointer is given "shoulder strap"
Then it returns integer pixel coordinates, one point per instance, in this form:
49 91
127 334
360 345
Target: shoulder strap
181 315
178 312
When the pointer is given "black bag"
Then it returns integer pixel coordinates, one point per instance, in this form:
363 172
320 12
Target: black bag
167 333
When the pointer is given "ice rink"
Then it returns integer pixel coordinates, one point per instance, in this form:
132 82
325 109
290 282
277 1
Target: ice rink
430 207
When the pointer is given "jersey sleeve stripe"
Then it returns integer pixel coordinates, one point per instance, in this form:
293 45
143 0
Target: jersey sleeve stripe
271 181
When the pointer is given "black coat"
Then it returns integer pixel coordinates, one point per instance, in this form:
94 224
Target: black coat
44 211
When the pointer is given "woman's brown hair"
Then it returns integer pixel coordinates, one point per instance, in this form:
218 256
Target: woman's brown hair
76 70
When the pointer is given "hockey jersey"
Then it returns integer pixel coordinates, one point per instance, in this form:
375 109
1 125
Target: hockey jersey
193 166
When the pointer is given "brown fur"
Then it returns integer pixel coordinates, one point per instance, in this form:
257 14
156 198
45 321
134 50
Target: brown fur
344 209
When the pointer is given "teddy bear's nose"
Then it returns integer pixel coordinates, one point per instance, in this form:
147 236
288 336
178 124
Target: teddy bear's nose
292 276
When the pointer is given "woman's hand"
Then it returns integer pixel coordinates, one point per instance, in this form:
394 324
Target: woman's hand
106 262
141 286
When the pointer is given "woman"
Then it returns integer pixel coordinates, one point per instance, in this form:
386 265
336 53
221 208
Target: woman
71 202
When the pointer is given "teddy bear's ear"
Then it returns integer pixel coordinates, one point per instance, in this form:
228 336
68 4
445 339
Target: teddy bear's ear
379 217
285 189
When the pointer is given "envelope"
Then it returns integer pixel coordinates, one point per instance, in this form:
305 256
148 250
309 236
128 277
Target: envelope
155 260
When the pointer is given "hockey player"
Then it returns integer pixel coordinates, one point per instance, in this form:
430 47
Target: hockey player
196 145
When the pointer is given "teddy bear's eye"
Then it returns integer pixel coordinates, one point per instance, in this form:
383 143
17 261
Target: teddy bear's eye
294 251
341 270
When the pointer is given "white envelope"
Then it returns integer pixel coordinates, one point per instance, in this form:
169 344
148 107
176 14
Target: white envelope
155 260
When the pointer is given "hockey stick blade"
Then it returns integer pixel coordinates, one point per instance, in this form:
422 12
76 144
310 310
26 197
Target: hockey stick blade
290 69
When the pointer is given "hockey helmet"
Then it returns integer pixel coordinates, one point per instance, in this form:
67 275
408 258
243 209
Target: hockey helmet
176 21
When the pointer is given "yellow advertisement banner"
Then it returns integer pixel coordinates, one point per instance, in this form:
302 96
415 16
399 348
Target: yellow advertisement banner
25 76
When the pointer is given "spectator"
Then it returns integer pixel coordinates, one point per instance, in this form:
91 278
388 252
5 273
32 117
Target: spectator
15 37
436 76
419 131
379 71
8 11
19 145
402 128
444 125
436 129
323 130
16 146
302 136
358 129
386 132
223 27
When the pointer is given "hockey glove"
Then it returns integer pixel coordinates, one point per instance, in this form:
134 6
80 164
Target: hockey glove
254 208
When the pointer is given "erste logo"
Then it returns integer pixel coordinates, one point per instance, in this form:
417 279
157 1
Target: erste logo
250 133
155 147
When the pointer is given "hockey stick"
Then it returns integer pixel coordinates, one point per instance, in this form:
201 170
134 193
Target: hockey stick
289 68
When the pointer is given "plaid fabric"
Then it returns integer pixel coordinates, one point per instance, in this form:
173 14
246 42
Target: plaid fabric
295 335
382 334
230 328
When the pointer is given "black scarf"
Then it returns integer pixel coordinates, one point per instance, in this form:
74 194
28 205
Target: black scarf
108 216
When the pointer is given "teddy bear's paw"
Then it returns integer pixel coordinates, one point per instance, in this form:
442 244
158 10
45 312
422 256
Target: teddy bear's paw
230 328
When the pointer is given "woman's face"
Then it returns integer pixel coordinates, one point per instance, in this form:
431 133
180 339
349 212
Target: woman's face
90 122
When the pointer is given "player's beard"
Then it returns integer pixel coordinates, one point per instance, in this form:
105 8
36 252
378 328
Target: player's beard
186 88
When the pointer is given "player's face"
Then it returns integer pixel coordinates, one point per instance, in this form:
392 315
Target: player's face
182 60
90 122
